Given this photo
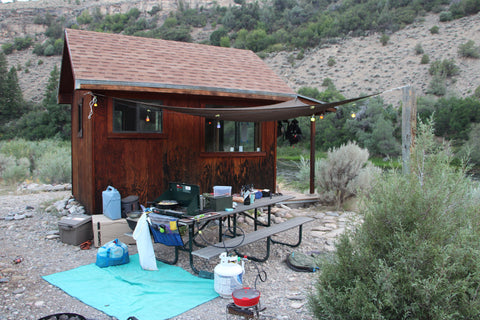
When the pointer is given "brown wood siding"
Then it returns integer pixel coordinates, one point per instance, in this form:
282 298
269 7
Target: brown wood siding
82 149
144 166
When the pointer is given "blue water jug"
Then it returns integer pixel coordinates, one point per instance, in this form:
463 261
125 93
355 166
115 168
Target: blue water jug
112 203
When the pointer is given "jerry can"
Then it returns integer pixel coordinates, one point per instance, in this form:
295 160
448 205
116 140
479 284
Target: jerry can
112 203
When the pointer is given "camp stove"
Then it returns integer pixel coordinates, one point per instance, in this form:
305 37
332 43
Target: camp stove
252 312
246 303
180 200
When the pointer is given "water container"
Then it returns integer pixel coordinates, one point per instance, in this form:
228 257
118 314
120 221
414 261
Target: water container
228 276
112 203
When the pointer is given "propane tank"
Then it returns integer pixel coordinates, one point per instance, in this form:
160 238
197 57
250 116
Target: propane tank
228 275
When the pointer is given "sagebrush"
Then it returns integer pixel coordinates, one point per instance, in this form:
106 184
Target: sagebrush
342 174
46 161
417 254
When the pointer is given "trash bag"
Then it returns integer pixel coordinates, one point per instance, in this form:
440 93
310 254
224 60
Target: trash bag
112 253
141 234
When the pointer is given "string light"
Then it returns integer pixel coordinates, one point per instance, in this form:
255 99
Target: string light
218 125
321 117
92 103
312 119
147 119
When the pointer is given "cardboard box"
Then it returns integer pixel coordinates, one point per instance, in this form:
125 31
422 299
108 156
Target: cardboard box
106 229
75 229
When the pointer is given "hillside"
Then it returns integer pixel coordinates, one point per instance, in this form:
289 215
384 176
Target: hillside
362 65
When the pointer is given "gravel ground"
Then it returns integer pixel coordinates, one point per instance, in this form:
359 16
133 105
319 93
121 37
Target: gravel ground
25 295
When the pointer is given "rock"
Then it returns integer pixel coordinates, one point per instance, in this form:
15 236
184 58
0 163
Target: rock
278 219
332 214
18 290
295 296
297 305
19 217
322 228
318 234
335 233
39 303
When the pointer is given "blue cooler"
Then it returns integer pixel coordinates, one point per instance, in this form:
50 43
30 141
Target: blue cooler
112 203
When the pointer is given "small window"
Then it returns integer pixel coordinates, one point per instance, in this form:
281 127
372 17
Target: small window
232 136
80 119
139 116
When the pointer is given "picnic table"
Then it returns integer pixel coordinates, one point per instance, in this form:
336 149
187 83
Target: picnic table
232 239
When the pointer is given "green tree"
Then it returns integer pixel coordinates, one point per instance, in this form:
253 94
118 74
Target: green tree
4 116
49 119
11 99
454 116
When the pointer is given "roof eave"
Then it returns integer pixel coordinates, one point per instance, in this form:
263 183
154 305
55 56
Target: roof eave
85 84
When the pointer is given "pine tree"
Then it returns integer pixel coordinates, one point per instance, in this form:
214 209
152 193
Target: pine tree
3 88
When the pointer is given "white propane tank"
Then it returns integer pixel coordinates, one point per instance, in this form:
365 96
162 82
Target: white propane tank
228 276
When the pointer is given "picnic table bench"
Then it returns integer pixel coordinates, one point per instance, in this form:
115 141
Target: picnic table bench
254 236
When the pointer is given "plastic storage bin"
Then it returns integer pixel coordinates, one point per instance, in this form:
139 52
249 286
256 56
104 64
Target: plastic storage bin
112 203
75 230
222 191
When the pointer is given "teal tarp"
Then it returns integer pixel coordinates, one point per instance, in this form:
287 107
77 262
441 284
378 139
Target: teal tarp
128 290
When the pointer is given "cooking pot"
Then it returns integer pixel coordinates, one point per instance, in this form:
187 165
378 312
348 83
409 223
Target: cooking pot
246 297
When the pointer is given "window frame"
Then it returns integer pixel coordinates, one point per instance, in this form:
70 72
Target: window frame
134 134
258 146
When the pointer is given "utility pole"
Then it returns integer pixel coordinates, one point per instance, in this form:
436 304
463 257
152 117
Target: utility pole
409 125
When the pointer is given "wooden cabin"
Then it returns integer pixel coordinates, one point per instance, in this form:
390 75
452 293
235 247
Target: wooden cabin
116 86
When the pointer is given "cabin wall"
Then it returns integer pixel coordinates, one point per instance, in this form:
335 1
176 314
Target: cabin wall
82 150
142 166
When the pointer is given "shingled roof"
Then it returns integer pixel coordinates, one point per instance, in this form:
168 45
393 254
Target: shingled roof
95 60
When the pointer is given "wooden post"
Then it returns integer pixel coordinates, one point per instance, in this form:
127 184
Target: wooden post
312 156
409 125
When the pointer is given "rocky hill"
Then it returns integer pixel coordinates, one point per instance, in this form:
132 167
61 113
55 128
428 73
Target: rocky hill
362 65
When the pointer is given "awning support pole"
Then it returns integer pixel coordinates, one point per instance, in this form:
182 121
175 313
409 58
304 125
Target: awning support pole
312 157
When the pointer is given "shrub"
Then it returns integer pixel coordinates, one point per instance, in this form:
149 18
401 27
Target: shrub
418 49
23 43
12 170
446 68
337 176
471 148
49 160
425 59
476 93
55 167
7 48
437 86
445 16
328 82
331 61
417 253
384 39
434 30
469 50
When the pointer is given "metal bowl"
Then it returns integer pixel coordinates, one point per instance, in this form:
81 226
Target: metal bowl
134 214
